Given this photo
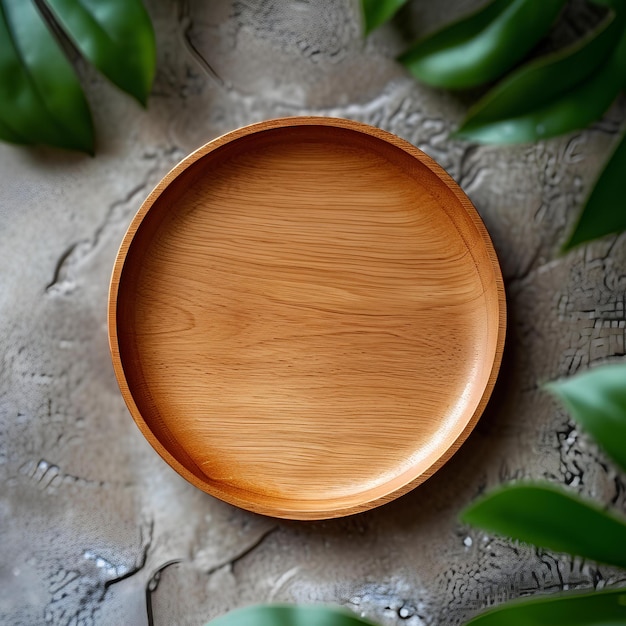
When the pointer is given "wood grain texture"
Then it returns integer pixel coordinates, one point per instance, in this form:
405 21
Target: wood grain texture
306 317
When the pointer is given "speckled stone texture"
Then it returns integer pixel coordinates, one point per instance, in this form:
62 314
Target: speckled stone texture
95 528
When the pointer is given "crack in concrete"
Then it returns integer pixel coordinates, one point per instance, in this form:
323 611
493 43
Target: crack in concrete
60 264
186 24
138 566
79 250
232 561
530 271
77 595
155 578
152 585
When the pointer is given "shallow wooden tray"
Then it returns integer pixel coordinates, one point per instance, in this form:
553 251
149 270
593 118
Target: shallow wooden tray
306 317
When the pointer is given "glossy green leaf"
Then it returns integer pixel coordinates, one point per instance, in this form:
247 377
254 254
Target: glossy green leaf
598 608
41 100
553 519
597 400
287 615
555 94
377 12
481 47
604 211
116 36
8 134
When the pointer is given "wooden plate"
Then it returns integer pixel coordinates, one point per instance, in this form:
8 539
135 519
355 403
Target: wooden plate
306 317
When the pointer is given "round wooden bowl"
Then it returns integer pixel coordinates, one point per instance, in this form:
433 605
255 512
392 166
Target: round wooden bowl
306 317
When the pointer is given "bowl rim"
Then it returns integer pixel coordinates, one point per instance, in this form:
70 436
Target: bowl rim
282 123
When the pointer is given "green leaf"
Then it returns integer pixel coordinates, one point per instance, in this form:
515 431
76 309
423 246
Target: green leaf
117 38
597 400
551 518
555 94
8 134
286 615
604 212
481 47
598 608
41 100
377 12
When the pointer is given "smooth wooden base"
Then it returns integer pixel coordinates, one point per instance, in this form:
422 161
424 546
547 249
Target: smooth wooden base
306 317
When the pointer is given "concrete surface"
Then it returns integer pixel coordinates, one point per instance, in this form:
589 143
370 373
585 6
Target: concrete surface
95 528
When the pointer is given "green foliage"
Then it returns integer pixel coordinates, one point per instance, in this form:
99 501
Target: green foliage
40 97
551 518
597 400
603 213
557 93
377 12
602 608
116 36
41 100
287 615
549 96
481 47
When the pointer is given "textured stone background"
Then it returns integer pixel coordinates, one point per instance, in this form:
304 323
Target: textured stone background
95 528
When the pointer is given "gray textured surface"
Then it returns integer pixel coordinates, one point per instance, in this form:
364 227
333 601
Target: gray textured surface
95 528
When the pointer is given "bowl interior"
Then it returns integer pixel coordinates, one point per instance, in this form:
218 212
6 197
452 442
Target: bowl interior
307 319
